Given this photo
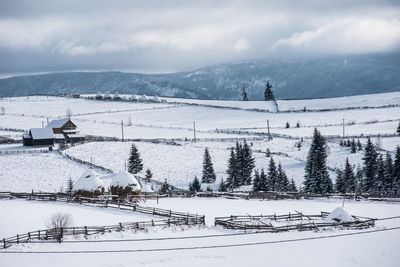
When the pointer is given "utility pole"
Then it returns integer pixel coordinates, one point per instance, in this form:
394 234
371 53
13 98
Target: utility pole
269 135
194 131
122 130
42 124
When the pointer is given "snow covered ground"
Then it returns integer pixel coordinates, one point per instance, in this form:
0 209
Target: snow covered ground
380 248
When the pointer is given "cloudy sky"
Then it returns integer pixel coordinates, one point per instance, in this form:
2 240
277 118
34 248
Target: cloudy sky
167 36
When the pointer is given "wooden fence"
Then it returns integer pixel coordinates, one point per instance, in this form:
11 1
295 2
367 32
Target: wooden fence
301 222
25 151
174 217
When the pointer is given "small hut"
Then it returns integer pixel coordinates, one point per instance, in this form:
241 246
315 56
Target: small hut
89 184
143 98
123 184
99 96
39 137
107 96
116 96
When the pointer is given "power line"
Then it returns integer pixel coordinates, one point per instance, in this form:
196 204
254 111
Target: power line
176 238
197 247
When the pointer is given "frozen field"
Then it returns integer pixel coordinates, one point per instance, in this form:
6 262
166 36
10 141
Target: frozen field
374 249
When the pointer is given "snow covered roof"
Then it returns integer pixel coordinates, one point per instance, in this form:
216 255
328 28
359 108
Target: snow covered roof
116 95
156 99
146 188
134 97
107 95
89 181
143 98
98 94
42 133
124 179
339 215
57 123
59 136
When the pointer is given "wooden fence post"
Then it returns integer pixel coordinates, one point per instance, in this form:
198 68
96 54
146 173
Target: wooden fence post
86 232
17 239
4 243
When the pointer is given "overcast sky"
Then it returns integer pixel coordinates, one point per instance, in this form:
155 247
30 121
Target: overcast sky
167 36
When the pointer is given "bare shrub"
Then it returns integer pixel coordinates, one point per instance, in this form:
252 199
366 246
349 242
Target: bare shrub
59 220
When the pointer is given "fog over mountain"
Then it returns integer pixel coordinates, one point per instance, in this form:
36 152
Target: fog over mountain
329 76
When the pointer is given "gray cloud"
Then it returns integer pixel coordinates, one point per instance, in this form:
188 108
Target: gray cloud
161 36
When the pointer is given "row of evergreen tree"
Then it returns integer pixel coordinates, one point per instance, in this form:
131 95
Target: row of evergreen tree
268 93
240 166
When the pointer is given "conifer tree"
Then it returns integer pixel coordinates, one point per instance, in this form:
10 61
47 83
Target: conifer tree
149 175
256 181
70 186
208 175
359 180
232 171
353 146
248 163
268 153
359 145
272 175
370 165
349 178
244 94
396 172
165 187
298 124
380 175
388 174
222 186
268 93
263 181
195 186
283 181
398 129
316 178
292 186
339 183
135 164
287 125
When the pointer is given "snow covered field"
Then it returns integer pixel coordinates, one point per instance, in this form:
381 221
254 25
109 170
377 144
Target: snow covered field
372 249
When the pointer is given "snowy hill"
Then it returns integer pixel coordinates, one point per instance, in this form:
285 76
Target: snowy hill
294 79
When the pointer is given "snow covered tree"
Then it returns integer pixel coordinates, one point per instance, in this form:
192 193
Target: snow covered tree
287 125
359 180
208 175
370 165
233 176
222 186
349 178
263 181
256 181
398 129
380 175
165 187
244 94
272 175
268 153
316 178
135 164
340 186
248 163
282 181
149 175
292 186
195 186
359 145
353 146
388 174
70 186
268 93
396 172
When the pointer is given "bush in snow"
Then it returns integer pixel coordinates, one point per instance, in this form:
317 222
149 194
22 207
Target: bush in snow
57 221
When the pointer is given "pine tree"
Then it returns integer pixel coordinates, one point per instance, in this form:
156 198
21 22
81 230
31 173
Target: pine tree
287 125
244 94
359 145
248 163
370 161
135 164
283 181
208 169
298 124
388 174
292 186
256 181
359 180
268 153
149 175
222 186
232 171
339 183
380 175
165 187
263 181
396 172
195 186
398 129
70 186
316 178
349 178
272 175
268 93
239 159
353 146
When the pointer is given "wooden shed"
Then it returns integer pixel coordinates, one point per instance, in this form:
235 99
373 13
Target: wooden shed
67 128
39 137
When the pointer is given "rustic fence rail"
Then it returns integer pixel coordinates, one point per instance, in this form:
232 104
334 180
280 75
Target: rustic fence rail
25 151
297 221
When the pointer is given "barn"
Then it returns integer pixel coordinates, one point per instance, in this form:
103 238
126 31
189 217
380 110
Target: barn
67 129
39 137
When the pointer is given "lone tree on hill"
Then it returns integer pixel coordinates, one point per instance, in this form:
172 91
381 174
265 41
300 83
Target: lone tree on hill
244 94
208 169
149 175
316 178
135 164
268 93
